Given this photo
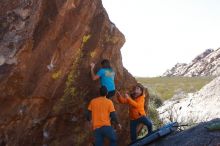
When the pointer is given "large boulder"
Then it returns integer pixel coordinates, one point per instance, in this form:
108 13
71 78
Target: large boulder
46 47
192 108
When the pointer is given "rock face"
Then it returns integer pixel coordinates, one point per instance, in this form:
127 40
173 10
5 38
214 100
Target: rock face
46 47
191 108
206 64
196 136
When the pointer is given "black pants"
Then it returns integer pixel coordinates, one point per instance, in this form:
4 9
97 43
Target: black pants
110 94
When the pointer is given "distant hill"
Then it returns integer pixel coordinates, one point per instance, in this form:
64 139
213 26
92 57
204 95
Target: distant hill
205 64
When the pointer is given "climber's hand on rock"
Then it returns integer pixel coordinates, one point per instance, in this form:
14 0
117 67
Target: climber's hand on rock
92 65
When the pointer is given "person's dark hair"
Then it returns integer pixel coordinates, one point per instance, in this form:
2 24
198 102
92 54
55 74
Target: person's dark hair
141 87
103 91
142 90
105 63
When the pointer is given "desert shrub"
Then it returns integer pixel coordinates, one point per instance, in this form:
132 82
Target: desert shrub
154 116
155 100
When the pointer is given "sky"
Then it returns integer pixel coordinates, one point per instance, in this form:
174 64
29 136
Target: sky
161 33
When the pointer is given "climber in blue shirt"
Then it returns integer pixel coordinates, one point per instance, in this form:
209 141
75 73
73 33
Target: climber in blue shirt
106 75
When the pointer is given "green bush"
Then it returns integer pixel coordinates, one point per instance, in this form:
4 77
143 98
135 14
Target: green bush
154 116
156 100
214 126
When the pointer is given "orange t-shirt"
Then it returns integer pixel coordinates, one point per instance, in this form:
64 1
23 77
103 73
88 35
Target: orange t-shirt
136 106
101 107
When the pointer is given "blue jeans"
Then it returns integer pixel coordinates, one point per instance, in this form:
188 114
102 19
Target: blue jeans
105 131
134 123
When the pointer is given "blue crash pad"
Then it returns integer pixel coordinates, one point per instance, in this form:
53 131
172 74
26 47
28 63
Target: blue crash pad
163 131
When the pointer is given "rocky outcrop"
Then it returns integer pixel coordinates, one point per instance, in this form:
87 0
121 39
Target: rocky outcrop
46 47
205 64
192 108
196 136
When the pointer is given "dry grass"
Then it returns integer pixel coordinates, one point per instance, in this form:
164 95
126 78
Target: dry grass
166 87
